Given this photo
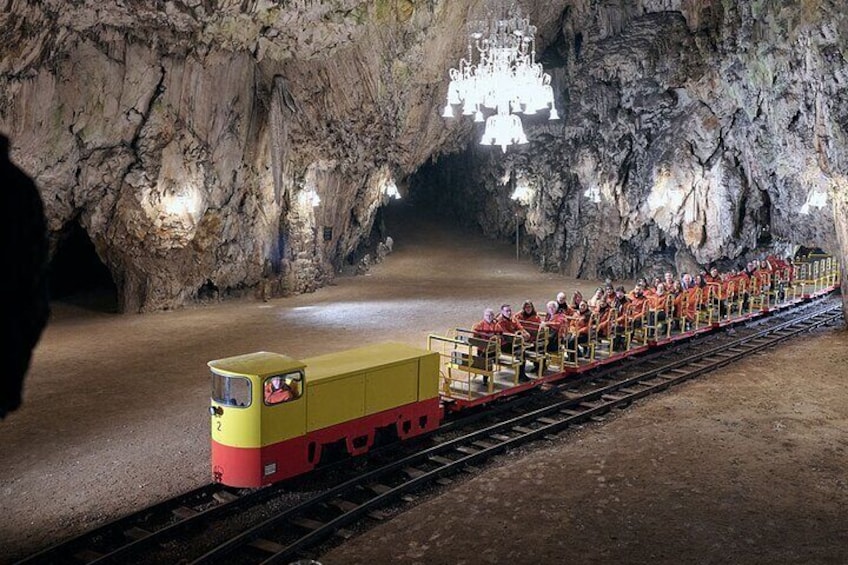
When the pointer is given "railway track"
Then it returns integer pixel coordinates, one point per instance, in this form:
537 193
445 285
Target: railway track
272 525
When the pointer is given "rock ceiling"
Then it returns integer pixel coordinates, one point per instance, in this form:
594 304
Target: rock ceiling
188 138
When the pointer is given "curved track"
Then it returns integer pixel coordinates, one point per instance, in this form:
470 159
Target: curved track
270 525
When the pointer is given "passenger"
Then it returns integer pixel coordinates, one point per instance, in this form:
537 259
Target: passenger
506 324
576 299
713 277
595 300
605 314
668 280
621 300
485 330
563 307
578 331
751 268
686 281
638 302
657 313
529 319
487 327
509 343
277 391
555 320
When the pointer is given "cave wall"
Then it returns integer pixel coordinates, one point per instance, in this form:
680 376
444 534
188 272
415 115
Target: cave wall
692 132
189 137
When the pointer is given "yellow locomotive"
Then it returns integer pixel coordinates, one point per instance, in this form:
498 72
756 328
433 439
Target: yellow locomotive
272 415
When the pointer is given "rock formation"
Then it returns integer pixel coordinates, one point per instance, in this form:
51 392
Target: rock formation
192 139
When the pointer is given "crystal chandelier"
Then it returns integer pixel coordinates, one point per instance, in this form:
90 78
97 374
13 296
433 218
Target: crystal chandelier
505 78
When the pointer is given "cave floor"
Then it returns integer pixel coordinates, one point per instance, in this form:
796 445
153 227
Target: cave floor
746 466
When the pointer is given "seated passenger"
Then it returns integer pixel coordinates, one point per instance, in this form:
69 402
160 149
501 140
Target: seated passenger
657 306
595 299
485 330
507 325
576 299
528 319
487 327
555 320
277 391
605 317
578 331
508 329
563 306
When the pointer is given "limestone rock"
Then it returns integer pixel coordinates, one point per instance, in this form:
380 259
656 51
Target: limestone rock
190 139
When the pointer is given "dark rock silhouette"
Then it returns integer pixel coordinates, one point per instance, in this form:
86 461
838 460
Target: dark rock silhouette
26 306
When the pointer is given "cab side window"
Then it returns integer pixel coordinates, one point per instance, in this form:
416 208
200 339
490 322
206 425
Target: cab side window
283 388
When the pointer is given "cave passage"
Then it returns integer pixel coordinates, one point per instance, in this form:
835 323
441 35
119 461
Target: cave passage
78 276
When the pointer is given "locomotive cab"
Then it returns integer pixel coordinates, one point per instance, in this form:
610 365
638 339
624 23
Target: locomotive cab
258 401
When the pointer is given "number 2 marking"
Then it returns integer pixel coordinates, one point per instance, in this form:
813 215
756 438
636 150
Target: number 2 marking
219 426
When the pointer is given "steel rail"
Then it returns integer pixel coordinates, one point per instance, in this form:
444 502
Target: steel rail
133 534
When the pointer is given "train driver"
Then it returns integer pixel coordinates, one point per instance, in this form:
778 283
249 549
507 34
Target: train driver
277 391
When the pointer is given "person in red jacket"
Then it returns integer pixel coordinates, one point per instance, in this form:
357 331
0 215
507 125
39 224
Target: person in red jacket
277 391
485 330
528 319
554 320
578 330
510 331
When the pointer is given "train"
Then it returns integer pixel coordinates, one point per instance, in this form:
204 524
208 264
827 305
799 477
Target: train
274 417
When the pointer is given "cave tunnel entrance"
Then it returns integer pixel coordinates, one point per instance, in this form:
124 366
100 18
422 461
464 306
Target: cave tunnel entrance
444 188
78 276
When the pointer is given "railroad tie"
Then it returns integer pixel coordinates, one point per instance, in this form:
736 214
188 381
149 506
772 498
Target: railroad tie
307 523
184 512
87 555
343 533
224 496
343 505
136 533
440 460
481 444
378 488
413 473
266 545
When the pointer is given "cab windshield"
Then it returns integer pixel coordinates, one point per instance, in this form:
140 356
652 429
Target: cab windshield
232 391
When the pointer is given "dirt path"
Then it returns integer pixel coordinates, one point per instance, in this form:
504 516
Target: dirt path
115 419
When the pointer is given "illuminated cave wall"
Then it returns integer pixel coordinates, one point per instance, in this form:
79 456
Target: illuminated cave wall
190 139
709 134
